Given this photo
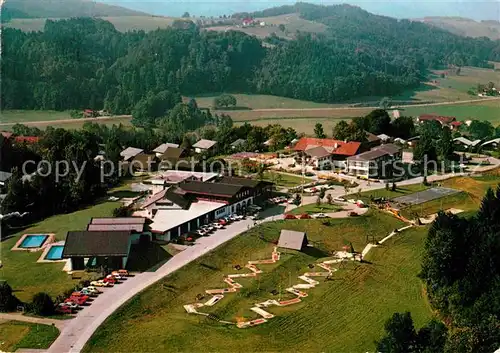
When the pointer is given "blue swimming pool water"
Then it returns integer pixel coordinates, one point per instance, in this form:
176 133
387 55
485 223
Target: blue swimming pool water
34 241
55 252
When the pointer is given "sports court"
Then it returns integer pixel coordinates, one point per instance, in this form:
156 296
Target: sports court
425 196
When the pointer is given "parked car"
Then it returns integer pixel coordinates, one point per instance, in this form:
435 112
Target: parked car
77 300
319 215
217 225
201 232
339 199
101 283
255 217
123 272
290 216
92 289
110 278
353 214
239 217
85 291
117 275
222 221
64 309
78 294
71 305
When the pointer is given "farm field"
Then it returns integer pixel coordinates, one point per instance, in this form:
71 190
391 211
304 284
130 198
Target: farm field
72 124
21 116
25 275
343 315
16 335
121 23
262 101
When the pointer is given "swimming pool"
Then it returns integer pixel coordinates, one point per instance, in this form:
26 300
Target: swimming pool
55 252
34 241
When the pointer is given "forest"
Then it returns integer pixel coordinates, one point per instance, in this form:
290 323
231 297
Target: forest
86 63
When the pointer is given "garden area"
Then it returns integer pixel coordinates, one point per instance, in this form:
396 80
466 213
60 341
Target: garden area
358 299
313 208
15 335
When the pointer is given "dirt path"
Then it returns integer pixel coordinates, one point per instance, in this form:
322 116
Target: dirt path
60 324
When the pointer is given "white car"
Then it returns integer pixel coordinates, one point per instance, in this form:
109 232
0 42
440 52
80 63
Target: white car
91 289
339 199
101 283
217 225
71 305
201 232
319 215
239 217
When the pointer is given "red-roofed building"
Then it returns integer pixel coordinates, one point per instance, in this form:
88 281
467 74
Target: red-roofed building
247 21
26 139
444 120
456 125
333 152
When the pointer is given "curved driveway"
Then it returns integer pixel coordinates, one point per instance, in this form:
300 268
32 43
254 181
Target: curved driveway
78 331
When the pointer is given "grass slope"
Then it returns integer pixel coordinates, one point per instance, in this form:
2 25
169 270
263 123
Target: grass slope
26 276
343 315
15 335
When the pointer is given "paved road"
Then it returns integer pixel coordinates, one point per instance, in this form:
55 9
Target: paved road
60 324
79 330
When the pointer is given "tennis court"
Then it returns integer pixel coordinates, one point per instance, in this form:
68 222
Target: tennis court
425 196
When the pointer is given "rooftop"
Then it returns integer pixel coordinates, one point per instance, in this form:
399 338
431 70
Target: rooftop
114 227
118 220
172 153
165 220
130 152
238 142
251 183
4 176
176 176
205 144
369 156
337 147
87 244
442 119
163 147
214 189
318 152
292 239
389 148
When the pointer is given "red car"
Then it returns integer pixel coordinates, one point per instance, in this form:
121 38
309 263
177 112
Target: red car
77 300
290 216
109 280
305 216
64 310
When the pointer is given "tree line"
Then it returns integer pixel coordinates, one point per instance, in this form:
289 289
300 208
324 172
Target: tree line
86 63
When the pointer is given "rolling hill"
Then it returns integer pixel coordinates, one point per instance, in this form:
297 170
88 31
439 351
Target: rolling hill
61 9
466 27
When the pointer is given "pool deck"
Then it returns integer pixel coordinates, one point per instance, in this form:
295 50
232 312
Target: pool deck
50 239
42 258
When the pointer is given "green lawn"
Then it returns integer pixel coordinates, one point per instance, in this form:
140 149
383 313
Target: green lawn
15 334
343 315
20 116
25 275
285 180
312 208
261 101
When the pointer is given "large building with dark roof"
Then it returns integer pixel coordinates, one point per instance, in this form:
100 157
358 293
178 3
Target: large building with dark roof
376 163
89 248
183 208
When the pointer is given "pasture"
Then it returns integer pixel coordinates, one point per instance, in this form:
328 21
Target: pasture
343 315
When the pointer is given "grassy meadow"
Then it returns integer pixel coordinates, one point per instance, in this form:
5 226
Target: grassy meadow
22 335
343 315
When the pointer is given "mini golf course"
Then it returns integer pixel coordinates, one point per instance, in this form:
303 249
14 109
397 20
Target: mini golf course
218 294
